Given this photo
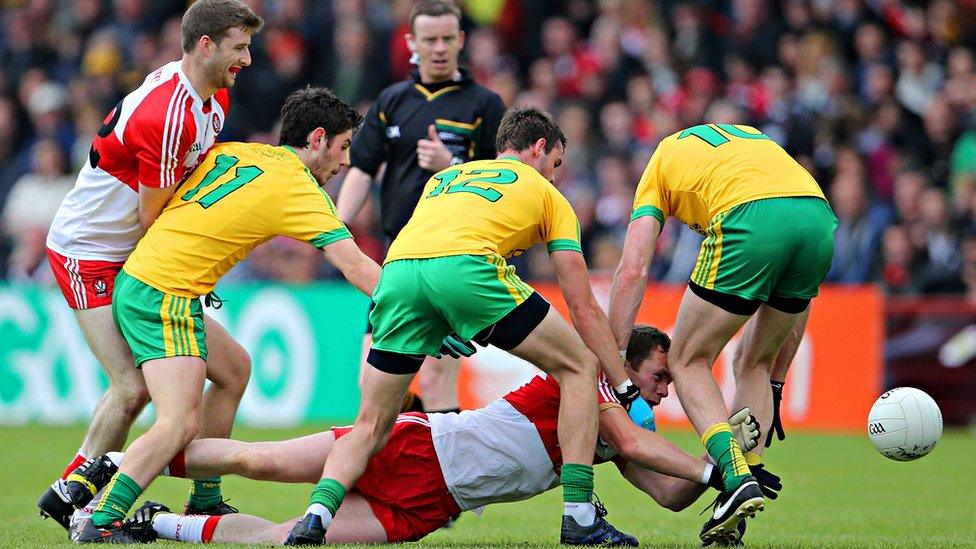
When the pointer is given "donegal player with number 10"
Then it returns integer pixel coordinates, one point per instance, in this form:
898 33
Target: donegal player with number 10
769 239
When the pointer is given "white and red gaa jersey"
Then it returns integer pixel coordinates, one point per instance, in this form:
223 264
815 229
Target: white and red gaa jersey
508 450
153 137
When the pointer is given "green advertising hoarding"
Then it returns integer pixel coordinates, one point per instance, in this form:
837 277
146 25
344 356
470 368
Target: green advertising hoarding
305 342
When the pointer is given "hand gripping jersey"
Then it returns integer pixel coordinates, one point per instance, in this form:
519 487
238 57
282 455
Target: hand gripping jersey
487 207
705 170
508 450
152 137
241 195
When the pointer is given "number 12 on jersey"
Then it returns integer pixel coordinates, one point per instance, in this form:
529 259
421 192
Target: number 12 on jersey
458 181
223 163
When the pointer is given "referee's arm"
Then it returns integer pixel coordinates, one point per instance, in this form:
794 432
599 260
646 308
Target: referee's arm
367 153
352 195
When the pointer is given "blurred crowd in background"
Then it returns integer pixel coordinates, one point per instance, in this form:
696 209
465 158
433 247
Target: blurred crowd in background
877 98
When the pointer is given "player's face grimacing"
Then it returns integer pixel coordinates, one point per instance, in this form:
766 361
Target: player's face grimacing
652 377
232 54
438 41
550 161
331 156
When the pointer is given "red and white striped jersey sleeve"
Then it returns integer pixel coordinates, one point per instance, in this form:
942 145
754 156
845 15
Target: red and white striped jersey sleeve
161 143
606 396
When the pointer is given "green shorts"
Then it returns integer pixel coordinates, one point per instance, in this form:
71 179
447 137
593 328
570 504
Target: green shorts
774 247
420 301
157 324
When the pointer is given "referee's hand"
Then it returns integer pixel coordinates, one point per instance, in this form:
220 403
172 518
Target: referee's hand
432 154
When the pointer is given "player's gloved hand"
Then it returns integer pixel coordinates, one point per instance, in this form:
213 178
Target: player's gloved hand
777 425
454 346
768 481
641 413
627 393
745 428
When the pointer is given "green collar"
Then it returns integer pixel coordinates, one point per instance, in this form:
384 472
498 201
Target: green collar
290 149
515 158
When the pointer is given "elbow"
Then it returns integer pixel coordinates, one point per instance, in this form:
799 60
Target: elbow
628 448
673 504
146 220
629 273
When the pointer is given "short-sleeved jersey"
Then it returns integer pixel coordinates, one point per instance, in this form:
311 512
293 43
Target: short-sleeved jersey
465 114
508 450
153 137
499 206
708 169
241 195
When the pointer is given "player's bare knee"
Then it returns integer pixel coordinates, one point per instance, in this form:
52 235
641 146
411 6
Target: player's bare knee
240 367
129 398
233 373
191 428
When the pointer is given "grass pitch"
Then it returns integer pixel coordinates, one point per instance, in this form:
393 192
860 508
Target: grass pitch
838 493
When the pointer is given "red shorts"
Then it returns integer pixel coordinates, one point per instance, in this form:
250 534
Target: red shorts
85 283
403 483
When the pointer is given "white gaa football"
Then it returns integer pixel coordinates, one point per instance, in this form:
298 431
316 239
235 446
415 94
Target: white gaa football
904 424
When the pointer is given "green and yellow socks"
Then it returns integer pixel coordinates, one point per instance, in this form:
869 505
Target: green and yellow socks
205 493
577 481
120 494
725 452
326 499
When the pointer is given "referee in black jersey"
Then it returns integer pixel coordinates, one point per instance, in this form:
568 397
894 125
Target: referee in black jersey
437 118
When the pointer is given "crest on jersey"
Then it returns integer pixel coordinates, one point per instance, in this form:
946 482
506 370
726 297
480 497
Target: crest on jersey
100 287
216 123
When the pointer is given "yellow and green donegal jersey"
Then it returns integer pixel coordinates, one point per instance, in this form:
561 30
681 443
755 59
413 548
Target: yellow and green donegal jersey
708 169
241 195
487 207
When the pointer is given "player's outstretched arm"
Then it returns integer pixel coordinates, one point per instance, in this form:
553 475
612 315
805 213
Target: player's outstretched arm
352 194
647 448
630 279
151 203
587 316
361 271
669 492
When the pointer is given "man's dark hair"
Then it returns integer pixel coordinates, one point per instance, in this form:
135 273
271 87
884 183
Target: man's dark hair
523 126
214 18
433 8
644 340
310 108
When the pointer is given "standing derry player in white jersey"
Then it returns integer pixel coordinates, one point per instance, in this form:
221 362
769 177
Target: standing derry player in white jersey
155 135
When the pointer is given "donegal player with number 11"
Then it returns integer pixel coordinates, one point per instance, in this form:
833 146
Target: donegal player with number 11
241 195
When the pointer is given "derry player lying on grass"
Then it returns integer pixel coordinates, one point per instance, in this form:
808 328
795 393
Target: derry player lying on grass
436 465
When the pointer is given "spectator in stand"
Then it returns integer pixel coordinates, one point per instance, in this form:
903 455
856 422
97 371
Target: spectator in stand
30 208
937 235
860 224
888 86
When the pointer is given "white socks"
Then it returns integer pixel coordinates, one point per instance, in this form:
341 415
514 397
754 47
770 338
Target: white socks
583 513
707 473
322 511
116 458
187 528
